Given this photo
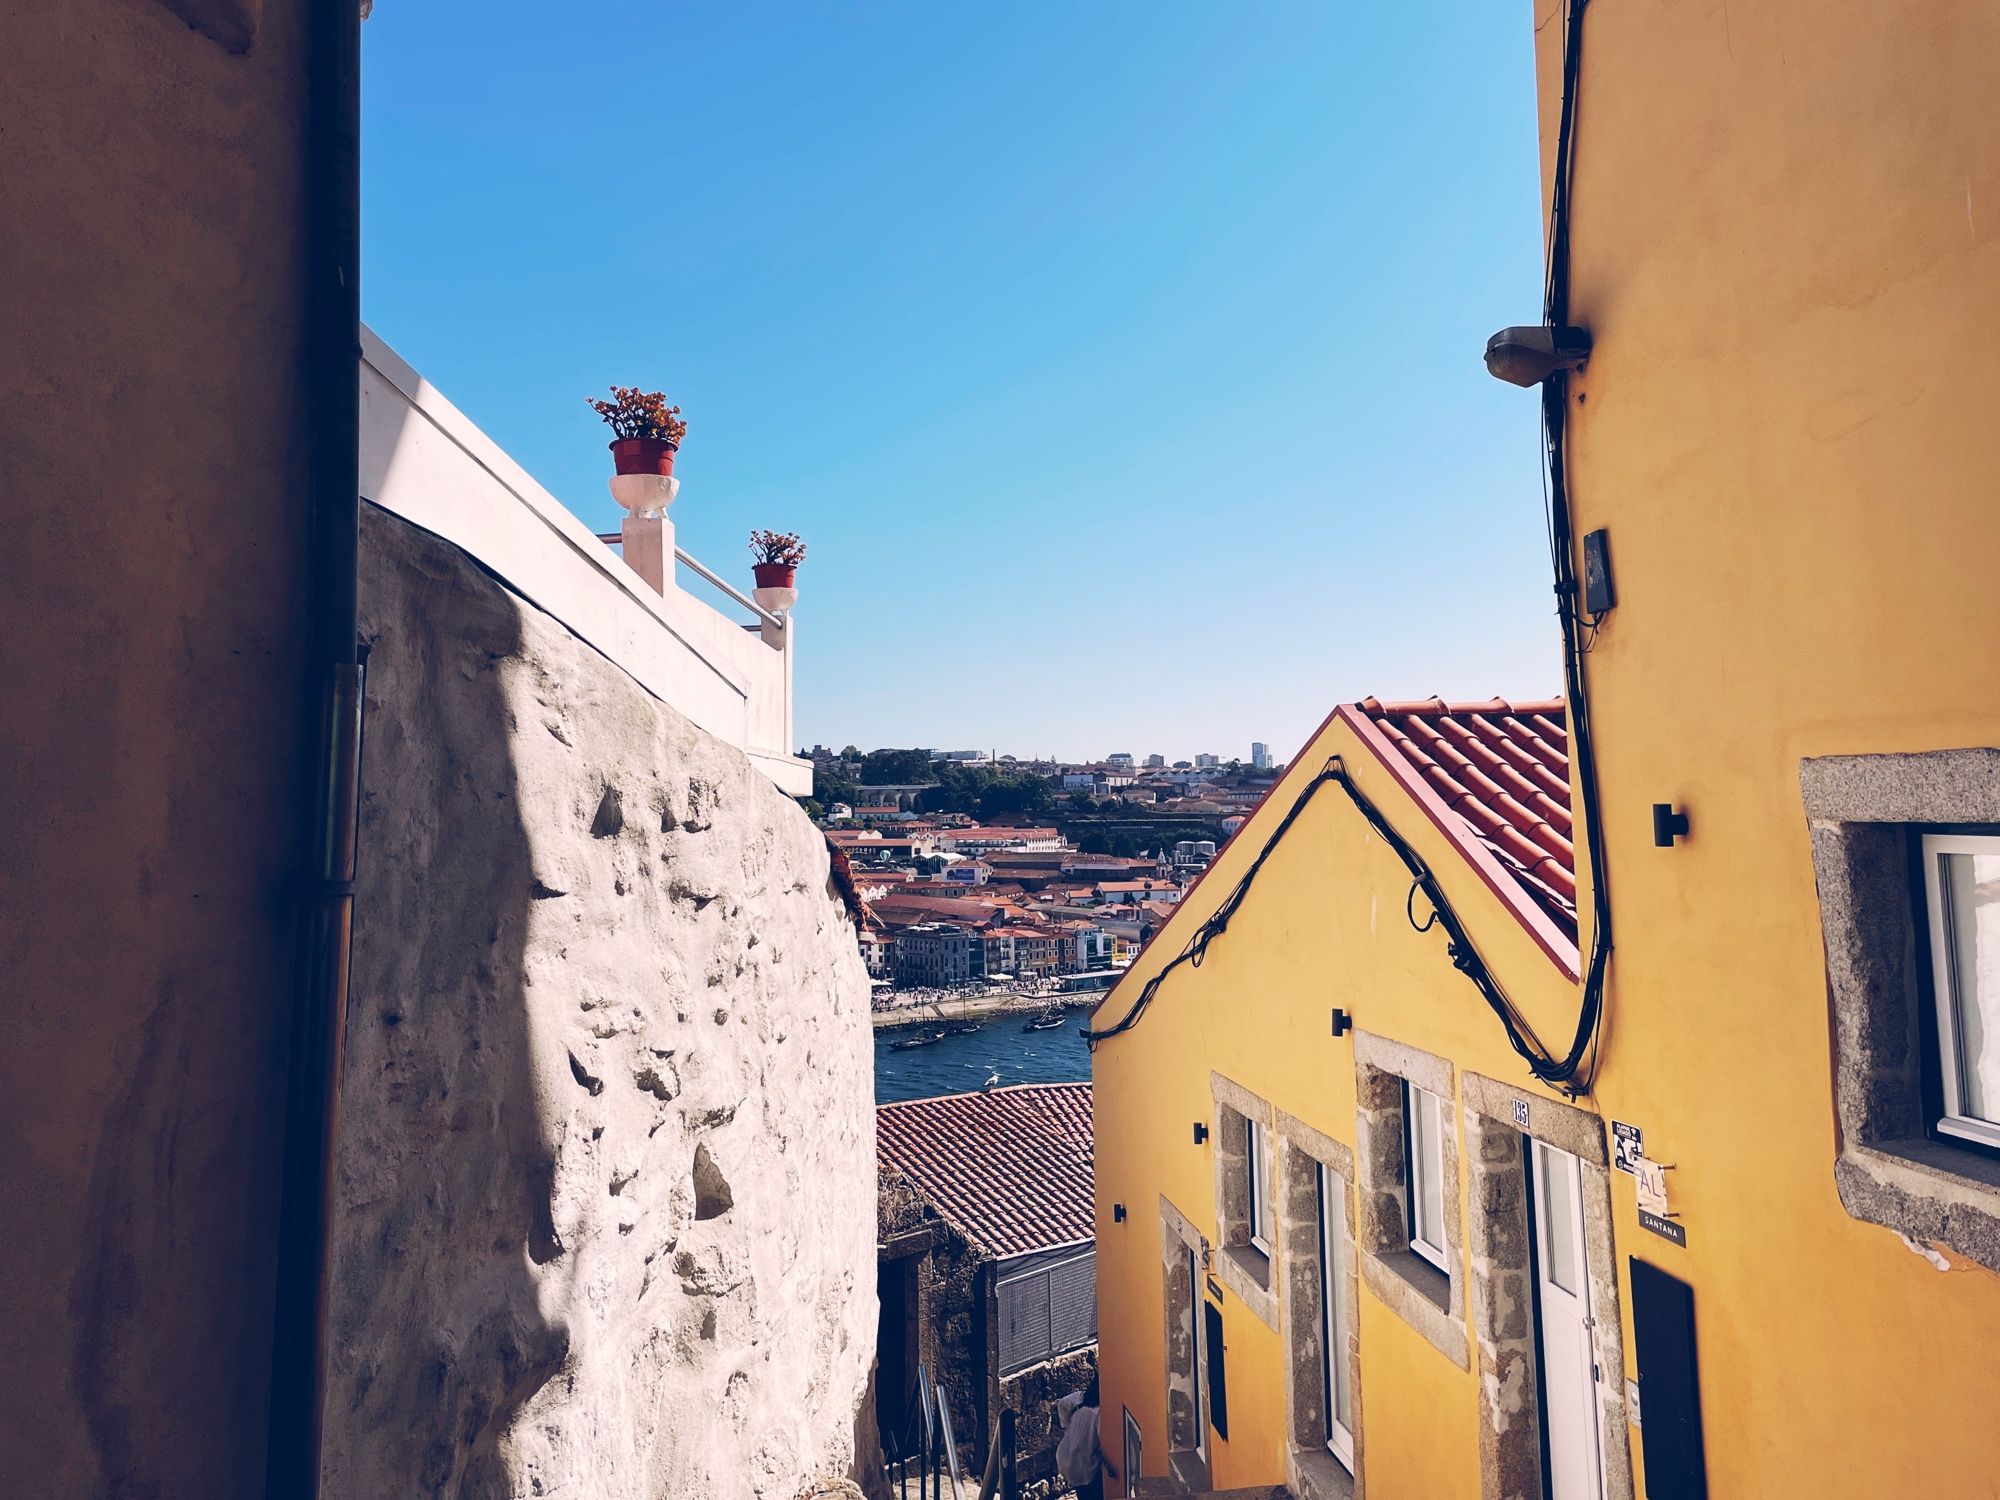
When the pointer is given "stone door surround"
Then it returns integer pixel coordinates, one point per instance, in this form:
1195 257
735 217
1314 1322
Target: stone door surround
1503 1284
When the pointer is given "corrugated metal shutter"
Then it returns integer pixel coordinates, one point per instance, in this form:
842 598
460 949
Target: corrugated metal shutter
1073 1303
1024 1321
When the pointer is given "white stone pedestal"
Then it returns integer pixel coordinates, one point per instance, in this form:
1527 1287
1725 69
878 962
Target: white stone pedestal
647 534
649 549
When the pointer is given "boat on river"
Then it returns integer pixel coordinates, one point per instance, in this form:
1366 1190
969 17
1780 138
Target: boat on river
1048 1020
921 1039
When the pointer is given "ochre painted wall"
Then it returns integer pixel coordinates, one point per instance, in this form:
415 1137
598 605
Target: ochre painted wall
1324 926
1786 240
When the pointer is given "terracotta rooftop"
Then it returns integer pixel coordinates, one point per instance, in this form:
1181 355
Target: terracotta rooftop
899 910
1010 1170
1494 777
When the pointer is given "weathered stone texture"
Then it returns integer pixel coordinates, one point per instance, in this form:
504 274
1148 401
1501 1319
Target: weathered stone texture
606 1176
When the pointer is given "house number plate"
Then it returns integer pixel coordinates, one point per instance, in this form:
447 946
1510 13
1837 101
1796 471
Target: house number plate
1521 1113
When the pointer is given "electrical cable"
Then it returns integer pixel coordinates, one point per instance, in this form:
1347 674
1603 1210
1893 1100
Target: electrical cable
1571 1072
1459 946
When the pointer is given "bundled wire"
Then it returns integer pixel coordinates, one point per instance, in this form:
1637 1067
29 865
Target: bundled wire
1573 1070
1459 947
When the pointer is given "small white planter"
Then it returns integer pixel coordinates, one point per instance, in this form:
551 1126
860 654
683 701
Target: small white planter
646 495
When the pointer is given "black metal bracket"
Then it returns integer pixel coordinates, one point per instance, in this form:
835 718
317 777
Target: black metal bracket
1342 1023
1200 1132
1668 825
1118 1213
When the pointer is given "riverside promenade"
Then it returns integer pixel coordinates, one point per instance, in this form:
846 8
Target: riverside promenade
976 1007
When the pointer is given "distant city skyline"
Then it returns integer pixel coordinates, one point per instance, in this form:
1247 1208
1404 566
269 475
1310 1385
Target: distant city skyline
1120 364
1245 755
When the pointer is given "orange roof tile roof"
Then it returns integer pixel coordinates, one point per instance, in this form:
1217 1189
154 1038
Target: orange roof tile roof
1495 777
1010 1170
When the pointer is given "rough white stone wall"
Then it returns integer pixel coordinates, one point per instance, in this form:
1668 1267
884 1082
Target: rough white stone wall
606 1188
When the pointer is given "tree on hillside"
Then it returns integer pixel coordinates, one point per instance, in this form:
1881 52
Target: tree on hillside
897 768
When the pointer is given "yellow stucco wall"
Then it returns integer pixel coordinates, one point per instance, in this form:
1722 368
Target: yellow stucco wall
1787 246
1786 242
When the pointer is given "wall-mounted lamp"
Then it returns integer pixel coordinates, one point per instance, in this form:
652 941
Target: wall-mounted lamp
1200 1132
1668 825
1529 355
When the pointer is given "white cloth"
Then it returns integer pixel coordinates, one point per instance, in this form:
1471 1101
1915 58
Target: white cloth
1076 1454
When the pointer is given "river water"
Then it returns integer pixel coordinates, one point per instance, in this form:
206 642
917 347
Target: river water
959 1064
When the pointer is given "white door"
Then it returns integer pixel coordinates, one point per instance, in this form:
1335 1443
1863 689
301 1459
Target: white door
1562 1303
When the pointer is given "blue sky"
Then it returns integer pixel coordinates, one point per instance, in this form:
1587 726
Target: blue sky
1119 362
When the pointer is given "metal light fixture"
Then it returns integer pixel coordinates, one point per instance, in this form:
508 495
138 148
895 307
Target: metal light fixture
1530 354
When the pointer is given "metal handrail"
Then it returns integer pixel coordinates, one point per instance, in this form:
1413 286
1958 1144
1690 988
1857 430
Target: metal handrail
932 1447
764 616
743 599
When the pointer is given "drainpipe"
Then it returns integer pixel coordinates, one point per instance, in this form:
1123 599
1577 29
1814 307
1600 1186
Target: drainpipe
330 296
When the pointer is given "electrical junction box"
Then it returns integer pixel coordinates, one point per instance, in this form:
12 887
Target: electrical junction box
1598 593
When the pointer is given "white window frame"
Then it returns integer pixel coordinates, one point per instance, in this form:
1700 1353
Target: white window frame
1334 1369
1944 985
1262 1206
1424 1113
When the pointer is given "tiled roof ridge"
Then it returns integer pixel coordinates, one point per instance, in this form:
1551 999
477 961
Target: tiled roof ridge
1499 770
1436 705
1076 1090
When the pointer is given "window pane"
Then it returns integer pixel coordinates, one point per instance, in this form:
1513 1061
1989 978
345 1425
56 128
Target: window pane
1429 1166
1333 1236
1253 1151
1558 1218
1263 1208
1972 886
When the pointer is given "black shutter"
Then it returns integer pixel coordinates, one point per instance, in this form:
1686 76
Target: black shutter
1669 1396
1218 1385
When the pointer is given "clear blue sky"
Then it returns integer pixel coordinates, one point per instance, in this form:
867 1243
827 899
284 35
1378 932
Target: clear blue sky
1119 362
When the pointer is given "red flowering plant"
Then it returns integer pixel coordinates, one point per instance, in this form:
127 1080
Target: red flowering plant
633 413
777 548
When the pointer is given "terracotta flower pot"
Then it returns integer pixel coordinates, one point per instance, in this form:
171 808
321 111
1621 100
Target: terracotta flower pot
643 455
776 575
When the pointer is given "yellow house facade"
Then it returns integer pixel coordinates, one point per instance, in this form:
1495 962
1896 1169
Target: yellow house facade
1329 1185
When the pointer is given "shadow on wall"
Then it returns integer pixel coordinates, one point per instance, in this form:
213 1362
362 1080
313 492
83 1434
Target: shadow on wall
603 1224
446 1190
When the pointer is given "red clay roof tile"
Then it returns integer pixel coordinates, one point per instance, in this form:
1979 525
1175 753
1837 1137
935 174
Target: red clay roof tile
1011 1170
1503 768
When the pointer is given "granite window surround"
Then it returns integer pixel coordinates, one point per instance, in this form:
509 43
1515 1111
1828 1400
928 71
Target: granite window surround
1311 1471
1240 1266
1429 1300
1863 813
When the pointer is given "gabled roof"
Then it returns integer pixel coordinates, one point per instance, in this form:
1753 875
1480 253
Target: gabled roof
1010 1169
1494 777
904 907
